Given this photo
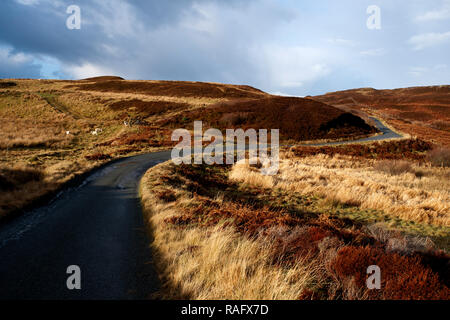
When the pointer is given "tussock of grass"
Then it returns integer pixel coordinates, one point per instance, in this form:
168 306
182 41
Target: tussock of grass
355 183
439 157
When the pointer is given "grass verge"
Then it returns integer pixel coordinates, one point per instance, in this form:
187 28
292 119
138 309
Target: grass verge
217 238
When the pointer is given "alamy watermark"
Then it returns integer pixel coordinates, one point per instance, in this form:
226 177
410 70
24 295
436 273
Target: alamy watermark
374 20
73 22
74 280
226 146
374 279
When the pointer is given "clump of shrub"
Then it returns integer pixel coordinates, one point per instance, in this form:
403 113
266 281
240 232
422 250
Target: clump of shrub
439 157
148 108
11 179
394 167
245 218
440 125
127 151
402 277
149 136
412 149
166 195
7 84
234 119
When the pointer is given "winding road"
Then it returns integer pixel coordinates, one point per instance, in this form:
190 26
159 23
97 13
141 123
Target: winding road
97 226
386 134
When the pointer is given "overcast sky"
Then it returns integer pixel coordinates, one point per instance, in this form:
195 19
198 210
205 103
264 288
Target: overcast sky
281 46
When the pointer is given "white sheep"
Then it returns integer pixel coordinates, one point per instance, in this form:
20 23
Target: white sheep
96 132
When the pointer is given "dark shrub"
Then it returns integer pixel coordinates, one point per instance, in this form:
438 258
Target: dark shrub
402 277
439 157
7 84
167 195
11 179
98 157
393 167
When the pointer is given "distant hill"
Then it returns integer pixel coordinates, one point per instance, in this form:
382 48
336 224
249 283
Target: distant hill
103 78
421 111
414 103
54 130
237 106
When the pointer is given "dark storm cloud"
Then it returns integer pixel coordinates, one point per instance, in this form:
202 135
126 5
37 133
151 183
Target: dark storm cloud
283 46
119 34
41 28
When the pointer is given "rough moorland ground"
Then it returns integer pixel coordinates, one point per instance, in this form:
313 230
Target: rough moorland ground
419 111
309 232
52 131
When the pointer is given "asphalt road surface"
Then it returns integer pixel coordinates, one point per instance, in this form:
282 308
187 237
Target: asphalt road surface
386 133
97 226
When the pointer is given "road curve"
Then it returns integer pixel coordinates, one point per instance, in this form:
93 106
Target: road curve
386 134
98 226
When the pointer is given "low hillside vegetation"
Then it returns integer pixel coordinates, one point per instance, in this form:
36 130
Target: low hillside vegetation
66 128
309 232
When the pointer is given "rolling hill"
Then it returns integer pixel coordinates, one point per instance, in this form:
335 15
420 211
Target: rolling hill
419 111
52 131
297 119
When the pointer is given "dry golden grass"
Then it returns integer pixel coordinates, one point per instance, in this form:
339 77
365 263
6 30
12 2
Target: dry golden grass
215 262
36 115
424 198
47 127
32 134
18 191
207 247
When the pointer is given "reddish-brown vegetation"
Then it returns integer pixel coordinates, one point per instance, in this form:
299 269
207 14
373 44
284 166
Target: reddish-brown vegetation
98 157
414 102
343 248
147 108
296 118
166 195
413 149
402 277
128 150
440 125
148 136
420 111
173 89
145 136
245 218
